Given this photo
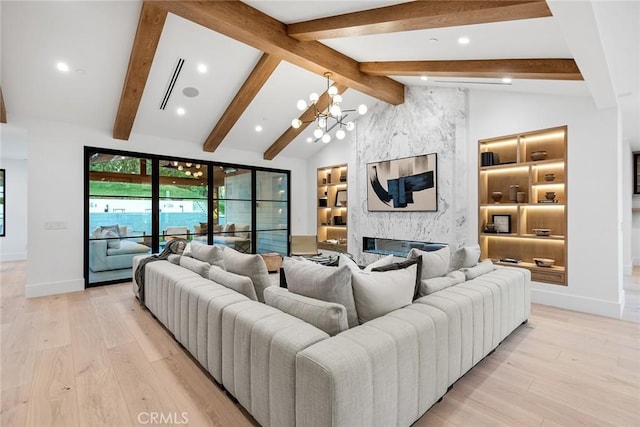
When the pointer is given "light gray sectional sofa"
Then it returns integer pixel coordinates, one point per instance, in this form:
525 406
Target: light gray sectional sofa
286 372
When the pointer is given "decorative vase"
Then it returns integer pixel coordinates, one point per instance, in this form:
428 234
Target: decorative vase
496 196
538 155
549 176
513 192
550 195
520 196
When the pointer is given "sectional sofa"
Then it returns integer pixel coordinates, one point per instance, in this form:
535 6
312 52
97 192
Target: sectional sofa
321 371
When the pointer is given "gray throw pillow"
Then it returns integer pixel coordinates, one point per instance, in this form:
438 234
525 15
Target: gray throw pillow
249 265
240 284
465 257
331 284
113 241
484 267
195 265
210 254
429 286
434 263
327 316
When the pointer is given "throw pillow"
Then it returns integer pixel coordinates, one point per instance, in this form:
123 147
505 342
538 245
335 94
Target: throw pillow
195 265
204 228
209 254
405 264
241 231
327 316
484 267
113 228
387 260
380 292
174 259
465 257
434 264
113 241
249 265
240 284
317 281
217 228
429 286
228 228
344 260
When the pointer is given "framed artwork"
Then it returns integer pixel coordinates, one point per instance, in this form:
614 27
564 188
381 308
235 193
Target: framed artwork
403 185
341 198
502 223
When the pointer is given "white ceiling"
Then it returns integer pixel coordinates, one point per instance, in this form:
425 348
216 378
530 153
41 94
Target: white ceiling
95 38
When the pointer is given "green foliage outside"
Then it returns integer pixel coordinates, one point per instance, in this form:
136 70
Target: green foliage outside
127 189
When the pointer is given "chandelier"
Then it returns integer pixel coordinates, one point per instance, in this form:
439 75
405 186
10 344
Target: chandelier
329 117
188 168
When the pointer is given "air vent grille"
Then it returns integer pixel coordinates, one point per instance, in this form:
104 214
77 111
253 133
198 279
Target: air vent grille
172 82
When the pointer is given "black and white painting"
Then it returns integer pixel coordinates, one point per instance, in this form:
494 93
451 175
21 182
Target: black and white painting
403 185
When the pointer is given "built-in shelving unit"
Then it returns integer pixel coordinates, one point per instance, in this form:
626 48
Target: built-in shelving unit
513 165
332 208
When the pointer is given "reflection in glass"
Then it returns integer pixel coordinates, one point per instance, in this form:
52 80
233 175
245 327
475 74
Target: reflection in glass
271 212
2 205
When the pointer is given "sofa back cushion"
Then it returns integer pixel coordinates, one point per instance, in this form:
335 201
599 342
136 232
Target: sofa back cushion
317 281
434 263
435 284
195 265
202 252
329 317
240 284
484 267
465 257
241 231
249 265
377 293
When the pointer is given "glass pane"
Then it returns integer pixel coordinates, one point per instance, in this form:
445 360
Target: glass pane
272 241
271 186
2 209
232 183
271 216
119 215
183 201
234 225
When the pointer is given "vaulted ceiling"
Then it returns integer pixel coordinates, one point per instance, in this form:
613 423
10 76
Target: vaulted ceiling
261 57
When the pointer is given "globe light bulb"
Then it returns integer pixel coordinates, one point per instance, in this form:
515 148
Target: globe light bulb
188 165
187 173
350 126
197 166
318 132
335 110
362 109
180 167
313 97
337 99
296 123
340 134
332 91
302 105
175 163
326 138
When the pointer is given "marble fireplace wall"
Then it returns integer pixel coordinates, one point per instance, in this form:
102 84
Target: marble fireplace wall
431 120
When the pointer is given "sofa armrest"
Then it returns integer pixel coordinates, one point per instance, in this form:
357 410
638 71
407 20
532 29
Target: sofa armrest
98 255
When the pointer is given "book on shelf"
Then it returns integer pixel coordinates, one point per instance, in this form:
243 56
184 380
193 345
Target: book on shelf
548 201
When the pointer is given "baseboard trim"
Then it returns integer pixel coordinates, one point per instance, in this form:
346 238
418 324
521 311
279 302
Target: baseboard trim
15 256
53 288
578 303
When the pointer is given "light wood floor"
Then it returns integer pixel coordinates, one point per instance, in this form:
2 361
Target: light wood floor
95 358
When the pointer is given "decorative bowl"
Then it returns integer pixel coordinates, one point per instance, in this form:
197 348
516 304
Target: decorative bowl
496 196
549 176
542 231
550 195
538 155
544 262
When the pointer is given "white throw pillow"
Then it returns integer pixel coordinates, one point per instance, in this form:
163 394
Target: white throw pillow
345 260
377 293
114 239
434 263
200 251
484 267
249 265
195 265
465 257
240 284
429 286
330 284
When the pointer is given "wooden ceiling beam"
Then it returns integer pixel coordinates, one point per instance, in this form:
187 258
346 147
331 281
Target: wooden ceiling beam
144 48
543 69
306 118
254 28
417 15
3 110
250 88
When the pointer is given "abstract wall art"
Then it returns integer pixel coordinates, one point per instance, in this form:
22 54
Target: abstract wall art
403 185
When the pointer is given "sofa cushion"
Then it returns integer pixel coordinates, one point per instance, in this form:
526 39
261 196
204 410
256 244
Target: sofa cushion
174 259
195 265
484 267
228 228
327 316
240 284
465 257
345 260
210 254
405 264
435 284
249 265
128 247
317 281
114 239
380 292
434 264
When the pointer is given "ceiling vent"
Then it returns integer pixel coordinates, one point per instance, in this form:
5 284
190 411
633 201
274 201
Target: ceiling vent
172 82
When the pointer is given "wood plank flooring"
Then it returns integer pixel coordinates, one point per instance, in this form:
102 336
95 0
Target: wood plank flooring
95 358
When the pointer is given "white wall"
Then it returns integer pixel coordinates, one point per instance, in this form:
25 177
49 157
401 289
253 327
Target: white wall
13 246
56 193
594 195
627 193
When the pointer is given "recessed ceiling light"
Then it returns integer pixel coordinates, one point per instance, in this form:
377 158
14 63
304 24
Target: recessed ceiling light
506 80
202 68
62 66
180 111
464 40
424 78
258 128
433 40
309 140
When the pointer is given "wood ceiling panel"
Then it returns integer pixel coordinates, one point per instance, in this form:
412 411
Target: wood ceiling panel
543 69
306 118
250 88
417 15
144 48
254 28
